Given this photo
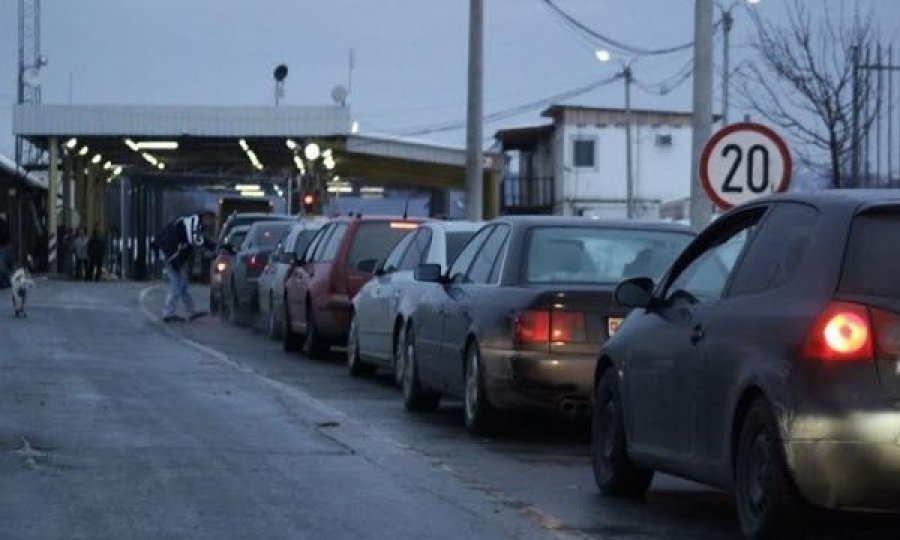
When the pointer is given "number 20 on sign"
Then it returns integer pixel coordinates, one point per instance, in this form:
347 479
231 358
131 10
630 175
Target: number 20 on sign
742 162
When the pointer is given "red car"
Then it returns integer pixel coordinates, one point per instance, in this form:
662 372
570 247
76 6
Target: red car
340 259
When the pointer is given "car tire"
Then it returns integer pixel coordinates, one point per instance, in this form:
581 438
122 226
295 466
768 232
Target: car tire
273 327
480 416
234 309
614 473
399 353
290 340
314 345
355 366
415 398
767 500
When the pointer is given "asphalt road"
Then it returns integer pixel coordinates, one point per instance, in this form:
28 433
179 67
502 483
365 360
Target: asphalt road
113 425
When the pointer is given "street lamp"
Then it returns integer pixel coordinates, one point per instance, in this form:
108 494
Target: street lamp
604 56
311 151
727 24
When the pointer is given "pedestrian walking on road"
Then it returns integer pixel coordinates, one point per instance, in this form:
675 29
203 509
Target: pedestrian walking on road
177 241
96 249
80 245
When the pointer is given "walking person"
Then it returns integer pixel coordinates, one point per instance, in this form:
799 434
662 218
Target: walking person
80 245
177 242
96 250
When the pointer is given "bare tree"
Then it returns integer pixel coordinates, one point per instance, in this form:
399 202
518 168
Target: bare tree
805 81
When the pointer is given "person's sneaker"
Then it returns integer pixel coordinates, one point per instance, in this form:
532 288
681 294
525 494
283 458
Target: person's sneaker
196 315
172 318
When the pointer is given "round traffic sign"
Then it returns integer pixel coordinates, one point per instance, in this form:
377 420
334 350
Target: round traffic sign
743 161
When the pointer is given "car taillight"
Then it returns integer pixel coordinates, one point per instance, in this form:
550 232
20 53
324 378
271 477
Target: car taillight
533 326
253 261
844 331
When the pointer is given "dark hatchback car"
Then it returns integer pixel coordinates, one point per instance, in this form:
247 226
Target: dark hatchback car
239 280
766 362
518 319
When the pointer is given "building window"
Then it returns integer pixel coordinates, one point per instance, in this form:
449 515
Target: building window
583 152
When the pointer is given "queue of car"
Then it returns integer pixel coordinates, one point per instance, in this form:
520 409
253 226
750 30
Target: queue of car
761 356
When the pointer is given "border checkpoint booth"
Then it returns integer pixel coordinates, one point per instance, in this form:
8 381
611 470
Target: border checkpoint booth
111 166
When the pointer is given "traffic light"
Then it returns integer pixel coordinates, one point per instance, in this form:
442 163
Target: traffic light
310 206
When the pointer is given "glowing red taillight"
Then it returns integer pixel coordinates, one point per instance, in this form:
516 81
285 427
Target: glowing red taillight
253 261
532 327
842 332
555 326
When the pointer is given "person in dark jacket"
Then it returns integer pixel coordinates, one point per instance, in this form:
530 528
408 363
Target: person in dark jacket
177 242
96 249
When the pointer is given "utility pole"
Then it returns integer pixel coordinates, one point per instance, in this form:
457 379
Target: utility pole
701 125
474 175
629 178
727 23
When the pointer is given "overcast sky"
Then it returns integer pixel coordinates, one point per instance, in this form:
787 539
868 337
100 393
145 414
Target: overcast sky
410 54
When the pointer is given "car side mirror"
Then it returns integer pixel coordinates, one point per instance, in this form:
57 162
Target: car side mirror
367 265
635 293
428 273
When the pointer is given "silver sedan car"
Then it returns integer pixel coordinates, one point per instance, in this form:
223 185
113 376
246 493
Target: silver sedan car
380 307
270 286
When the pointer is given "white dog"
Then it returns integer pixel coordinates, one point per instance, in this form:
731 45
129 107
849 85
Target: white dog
21 282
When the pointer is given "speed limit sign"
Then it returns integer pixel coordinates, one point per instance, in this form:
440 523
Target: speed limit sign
743 161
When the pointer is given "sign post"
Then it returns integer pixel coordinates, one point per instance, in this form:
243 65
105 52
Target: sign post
742 162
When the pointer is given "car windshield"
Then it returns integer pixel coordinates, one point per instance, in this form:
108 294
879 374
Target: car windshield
267 235
599 255
374 240
455 243
872 261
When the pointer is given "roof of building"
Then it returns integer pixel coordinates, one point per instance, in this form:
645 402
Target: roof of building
521 136
554 110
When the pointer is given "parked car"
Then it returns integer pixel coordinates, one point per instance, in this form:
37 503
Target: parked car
381 307
227 247
271 282
339 261
225 250
518 319
239 278
764 363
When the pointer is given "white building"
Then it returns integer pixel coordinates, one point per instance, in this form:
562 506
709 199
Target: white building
576 165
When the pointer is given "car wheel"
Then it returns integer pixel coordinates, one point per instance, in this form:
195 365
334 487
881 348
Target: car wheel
415 398
399 358
314 345
614 473
355 366
480 416
291 341
234 310
273 329
767 501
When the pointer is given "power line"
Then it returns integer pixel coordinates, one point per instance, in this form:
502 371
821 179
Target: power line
515 111
611 42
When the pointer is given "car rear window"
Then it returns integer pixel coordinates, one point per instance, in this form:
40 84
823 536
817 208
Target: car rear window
237 238
374 240
455 243
267 236
872 258
599 255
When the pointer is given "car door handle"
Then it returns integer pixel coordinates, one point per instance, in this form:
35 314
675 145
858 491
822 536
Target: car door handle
697 334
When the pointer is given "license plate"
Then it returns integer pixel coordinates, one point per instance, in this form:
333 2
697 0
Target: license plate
612 325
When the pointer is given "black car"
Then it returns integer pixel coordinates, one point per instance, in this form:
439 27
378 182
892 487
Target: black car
766 362
239 279
518 319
